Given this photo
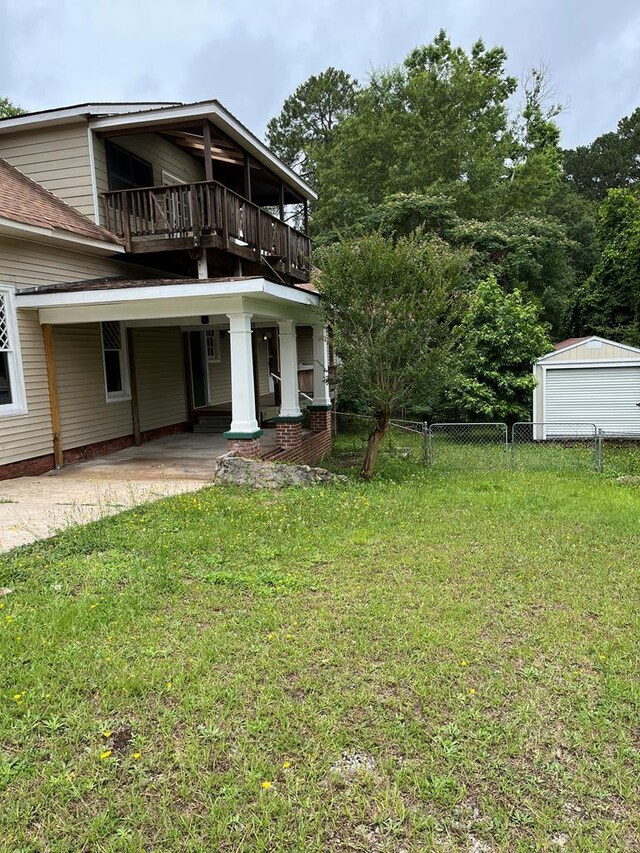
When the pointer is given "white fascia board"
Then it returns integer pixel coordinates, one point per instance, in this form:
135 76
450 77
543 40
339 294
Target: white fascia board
37 233
81 111
220 117
166 293
604 362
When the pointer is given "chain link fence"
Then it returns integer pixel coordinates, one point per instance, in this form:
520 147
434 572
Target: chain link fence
468 445
557 446
526 445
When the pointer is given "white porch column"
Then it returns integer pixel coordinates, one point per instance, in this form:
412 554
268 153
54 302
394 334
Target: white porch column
243 403
321 366
290 404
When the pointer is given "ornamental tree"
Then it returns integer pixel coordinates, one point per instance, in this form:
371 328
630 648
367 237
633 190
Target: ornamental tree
391 306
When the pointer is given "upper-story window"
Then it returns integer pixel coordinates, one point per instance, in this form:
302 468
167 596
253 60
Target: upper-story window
125 170
12 393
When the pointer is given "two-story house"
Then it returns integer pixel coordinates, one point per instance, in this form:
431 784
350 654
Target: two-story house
154 278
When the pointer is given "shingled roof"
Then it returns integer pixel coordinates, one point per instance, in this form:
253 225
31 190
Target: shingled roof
26 202
568 342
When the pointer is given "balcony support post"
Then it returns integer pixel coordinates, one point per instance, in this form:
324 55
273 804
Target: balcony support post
203 266
282 202
247 176
208 163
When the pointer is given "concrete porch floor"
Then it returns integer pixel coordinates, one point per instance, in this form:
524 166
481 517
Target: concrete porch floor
33 508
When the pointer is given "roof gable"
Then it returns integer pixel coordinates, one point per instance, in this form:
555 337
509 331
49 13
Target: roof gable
573 344
150 116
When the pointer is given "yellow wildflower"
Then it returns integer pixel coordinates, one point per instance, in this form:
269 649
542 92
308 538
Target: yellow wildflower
463 663
136 755
169 685
108 733
17 697
266 785
473 691
104 755
286 764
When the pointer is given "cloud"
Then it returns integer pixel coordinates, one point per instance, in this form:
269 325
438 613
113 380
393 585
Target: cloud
251 54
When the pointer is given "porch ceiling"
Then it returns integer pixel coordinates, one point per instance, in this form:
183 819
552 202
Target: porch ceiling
169 299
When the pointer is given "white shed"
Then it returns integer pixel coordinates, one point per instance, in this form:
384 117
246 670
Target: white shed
588 380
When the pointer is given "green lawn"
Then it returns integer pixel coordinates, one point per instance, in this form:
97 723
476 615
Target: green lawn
435 661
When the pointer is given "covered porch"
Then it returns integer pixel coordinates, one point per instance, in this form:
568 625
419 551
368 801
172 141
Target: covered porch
175 355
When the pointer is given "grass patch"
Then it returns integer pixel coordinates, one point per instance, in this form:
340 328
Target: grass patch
437 660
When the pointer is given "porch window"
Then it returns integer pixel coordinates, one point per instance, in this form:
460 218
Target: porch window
213 345
12 393
125 170
114 352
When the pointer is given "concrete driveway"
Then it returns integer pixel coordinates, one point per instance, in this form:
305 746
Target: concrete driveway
34 508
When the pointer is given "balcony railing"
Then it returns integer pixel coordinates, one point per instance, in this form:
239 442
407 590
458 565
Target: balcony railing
206 213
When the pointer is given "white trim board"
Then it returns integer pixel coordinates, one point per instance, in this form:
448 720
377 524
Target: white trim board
603 362
179 290
19 230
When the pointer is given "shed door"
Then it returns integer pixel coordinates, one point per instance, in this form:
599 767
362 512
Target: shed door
605 396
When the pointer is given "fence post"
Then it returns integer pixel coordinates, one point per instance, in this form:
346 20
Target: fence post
599 459
425 443
513 445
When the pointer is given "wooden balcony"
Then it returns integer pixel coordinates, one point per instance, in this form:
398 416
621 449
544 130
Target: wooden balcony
209 215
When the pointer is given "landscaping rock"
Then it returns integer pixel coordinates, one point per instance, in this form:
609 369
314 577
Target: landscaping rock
240 471
629 480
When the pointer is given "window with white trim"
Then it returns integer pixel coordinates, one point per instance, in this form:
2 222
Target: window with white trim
12 393
114 357
213 345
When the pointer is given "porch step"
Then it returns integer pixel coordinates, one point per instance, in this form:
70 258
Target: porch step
215 424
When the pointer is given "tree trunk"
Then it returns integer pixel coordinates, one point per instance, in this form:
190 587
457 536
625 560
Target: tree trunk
375 439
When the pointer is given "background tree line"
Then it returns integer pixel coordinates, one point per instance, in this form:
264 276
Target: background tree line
433 146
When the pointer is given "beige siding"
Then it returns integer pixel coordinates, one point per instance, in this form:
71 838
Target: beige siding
26 264
57 158
584 352
220 373
30 435
157 151
160 377
85 415
304 338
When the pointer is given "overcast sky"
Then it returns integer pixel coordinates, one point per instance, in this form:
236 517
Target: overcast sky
251 54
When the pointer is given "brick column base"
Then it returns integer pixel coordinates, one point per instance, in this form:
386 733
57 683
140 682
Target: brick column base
288 434
249 447
319 419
